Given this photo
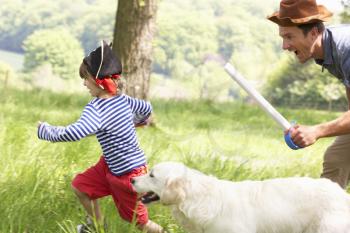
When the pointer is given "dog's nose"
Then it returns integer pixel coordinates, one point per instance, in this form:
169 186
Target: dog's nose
132 181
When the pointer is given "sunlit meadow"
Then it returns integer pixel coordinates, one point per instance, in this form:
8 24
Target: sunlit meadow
228 140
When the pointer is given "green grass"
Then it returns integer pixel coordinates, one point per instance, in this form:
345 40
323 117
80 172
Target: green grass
229 140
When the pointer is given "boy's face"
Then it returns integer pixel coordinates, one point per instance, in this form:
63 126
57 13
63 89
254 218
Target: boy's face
94 89
295 41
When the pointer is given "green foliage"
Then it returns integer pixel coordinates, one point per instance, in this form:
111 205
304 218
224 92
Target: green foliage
183 40
248 39
211 82
95 23
188 46
192 38
299 85
345 16
21 18
229 140
88 20
188 31
232 30
13 19
56 47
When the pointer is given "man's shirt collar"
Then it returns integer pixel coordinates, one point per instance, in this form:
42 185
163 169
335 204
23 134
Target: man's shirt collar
327 50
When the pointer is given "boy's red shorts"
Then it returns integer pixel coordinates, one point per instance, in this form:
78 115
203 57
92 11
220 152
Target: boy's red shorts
97 181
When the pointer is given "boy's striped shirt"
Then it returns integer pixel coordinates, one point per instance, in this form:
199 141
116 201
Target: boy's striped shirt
112 120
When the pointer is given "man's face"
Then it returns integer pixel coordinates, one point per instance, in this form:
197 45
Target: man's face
295 41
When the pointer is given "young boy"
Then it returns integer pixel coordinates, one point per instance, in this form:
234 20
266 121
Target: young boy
112 117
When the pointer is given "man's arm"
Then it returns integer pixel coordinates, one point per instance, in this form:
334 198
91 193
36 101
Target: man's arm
307 135
348 96
339 126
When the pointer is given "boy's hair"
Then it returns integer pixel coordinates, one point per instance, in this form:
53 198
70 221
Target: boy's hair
120 82
83 71
306 28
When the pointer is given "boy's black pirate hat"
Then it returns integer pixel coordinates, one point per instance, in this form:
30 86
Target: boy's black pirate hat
110 63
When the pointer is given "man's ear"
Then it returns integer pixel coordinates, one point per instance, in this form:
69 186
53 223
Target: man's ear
173 192
314 32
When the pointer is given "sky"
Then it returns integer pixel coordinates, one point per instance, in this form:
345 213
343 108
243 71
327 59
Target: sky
333 5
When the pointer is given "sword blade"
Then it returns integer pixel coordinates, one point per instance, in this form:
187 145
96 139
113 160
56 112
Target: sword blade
264 104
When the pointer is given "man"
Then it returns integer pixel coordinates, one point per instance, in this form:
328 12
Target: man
301 28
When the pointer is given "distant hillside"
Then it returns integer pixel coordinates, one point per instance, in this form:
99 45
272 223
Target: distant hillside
13 59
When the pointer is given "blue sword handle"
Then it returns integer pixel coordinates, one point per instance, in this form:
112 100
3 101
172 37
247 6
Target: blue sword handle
290 142
288 139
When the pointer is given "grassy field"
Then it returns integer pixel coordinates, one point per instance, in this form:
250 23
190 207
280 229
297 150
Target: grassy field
229 140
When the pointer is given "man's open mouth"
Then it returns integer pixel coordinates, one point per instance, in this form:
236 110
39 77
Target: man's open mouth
149 197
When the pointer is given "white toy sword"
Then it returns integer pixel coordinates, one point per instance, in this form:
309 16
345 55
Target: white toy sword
264 104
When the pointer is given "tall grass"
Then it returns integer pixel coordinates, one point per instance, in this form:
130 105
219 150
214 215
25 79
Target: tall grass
229 140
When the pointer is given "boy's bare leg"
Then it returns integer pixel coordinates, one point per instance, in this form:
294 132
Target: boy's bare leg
91 206
93 209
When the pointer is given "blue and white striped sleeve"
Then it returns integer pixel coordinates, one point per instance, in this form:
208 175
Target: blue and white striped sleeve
141 109
88 124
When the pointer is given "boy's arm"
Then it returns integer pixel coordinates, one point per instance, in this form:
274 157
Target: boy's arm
141 110
88 124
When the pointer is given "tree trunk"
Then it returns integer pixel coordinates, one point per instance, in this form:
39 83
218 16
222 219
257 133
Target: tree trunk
133 34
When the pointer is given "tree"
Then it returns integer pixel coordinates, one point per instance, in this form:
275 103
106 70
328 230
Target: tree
56 47
133 35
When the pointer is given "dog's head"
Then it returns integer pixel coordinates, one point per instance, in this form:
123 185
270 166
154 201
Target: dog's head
165 182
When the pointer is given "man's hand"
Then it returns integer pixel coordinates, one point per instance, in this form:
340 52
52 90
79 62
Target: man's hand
39 123
304 136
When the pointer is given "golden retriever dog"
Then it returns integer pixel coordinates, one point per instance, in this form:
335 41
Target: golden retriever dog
205 204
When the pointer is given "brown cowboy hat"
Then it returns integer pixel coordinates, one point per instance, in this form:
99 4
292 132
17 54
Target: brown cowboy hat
296 12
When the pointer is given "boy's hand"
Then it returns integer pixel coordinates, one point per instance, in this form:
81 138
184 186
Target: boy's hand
147 122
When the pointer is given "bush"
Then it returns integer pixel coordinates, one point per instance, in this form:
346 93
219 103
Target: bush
56 47
294 84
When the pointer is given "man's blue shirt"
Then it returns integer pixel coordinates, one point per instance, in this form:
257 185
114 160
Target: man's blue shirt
336 48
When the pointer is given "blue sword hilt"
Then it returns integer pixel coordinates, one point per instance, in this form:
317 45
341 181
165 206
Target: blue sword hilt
289 141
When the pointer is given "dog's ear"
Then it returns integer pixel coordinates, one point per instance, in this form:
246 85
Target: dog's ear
173 192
